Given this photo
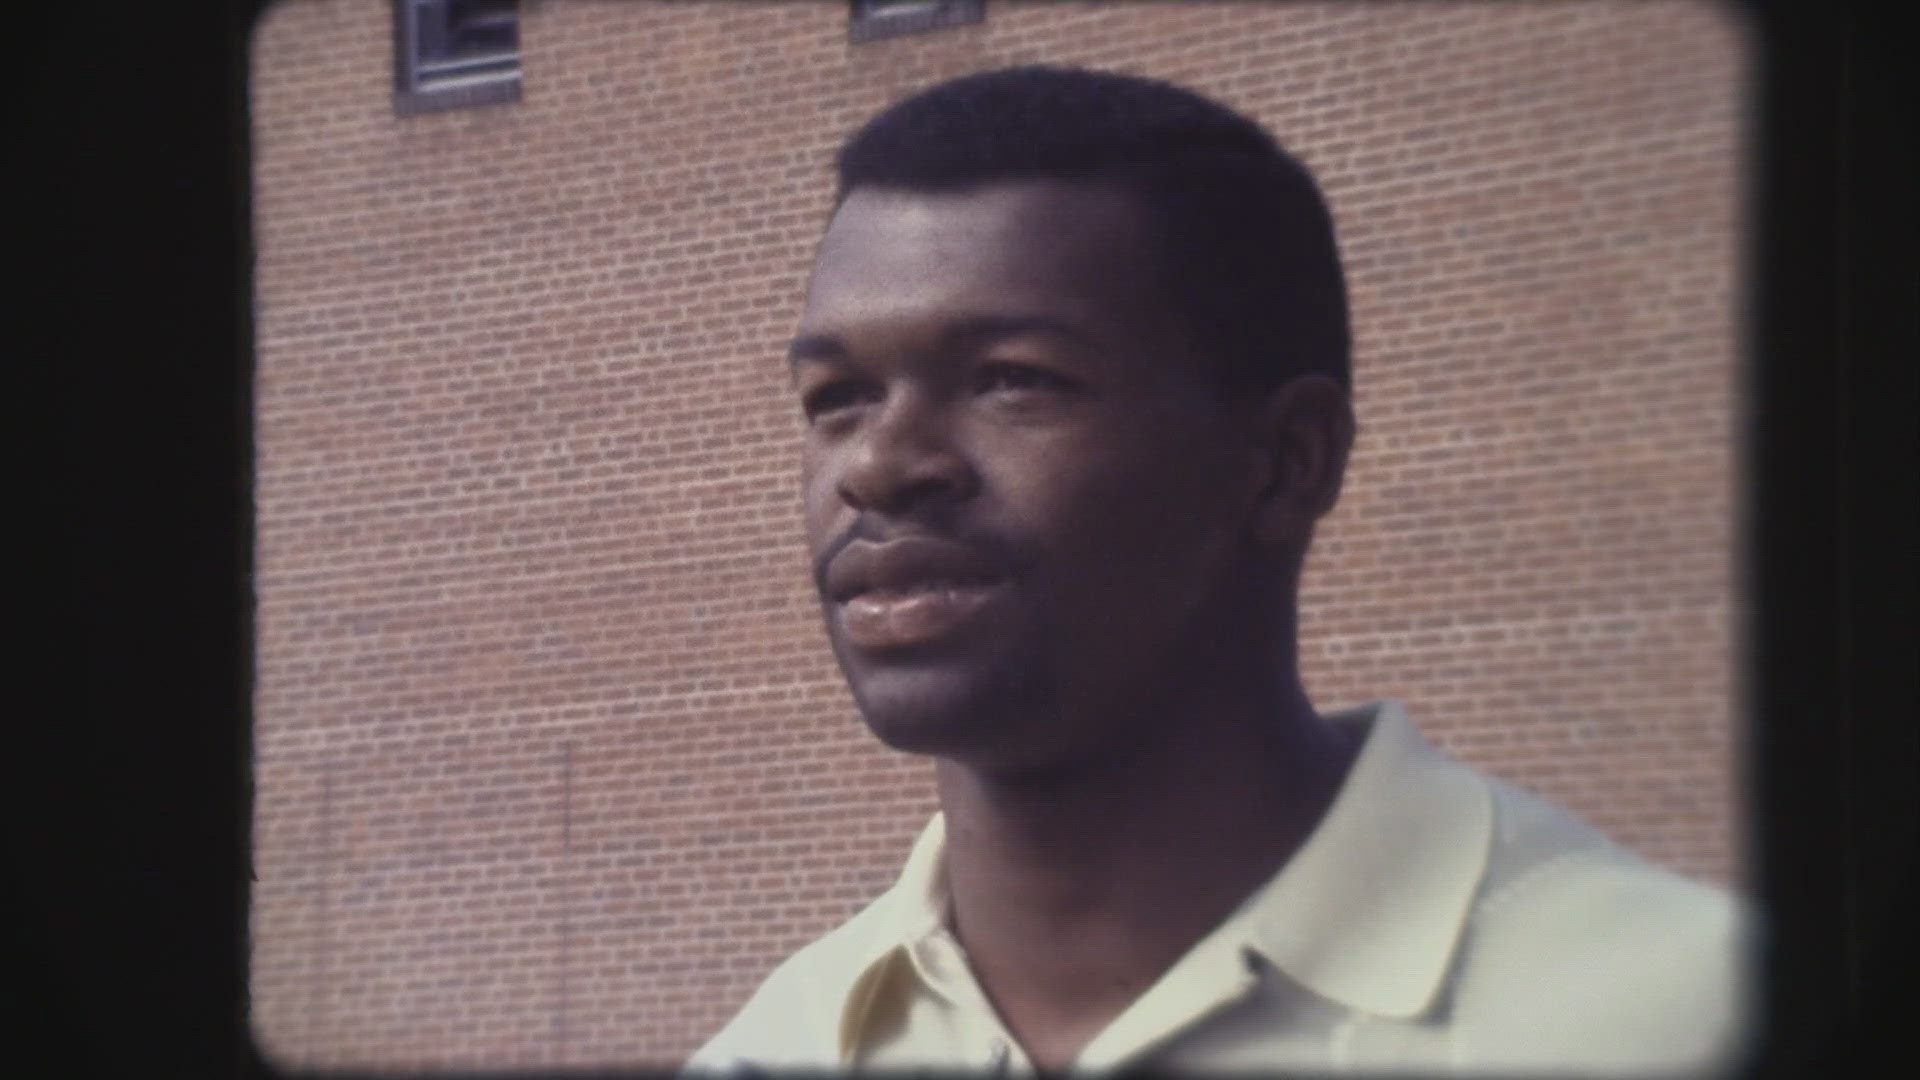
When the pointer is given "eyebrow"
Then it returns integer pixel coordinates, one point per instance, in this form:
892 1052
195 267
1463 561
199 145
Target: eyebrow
969 331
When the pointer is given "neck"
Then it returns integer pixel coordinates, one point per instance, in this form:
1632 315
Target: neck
1226 767
1075 888
1230 792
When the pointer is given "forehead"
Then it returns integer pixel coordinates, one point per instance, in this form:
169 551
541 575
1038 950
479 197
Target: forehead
1071 250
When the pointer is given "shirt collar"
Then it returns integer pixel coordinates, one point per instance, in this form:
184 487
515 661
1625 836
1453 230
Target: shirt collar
913 908
1367 913
917 903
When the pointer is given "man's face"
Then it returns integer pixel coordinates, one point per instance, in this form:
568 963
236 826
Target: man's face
1027 511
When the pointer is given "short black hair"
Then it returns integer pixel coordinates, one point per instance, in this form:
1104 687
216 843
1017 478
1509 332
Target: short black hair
1246 240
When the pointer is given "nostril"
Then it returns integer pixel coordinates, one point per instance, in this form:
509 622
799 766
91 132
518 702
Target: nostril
898 480
913 495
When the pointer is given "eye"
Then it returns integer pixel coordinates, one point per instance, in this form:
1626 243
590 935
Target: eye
1020 379
835 398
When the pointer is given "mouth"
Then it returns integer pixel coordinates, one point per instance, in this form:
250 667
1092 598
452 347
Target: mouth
910 591
920 613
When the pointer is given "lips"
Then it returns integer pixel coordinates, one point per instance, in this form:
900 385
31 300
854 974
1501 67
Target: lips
909 591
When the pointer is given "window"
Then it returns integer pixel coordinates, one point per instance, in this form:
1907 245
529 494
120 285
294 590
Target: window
449 54
886 18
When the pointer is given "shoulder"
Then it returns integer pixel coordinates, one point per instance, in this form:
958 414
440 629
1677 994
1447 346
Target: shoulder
1580 950
793 1020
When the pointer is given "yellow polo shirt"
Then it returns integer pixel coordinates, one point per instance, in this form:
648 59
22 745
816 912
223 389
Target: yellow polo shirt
1437 921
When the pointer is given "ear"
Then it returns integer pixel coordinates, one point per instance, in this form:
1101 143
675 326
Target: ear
1306 428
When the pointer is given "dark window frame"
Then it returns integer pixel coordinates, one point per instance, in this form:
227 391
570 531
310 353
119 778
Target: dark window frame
432 71
872 20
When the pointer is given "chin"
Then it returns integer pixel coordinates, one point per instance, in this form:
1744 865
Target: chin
929 709
915 714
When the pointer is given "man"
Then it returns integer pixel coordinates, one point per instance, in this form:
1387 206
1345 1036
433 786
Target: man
1073 363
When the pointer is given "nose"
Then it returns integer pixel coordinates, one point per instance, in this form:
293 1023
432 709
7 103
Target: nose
906 460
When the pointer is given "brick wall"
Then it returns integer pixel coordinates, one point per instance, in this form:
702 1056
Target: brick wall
552 762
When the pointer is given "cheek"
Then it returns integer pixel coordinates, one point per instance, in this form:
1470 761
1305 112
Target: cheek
818 519
1153 523
818 498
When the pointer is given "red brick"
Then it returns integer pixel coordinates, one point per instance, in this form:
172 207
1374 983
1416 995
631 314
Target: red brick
546 724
